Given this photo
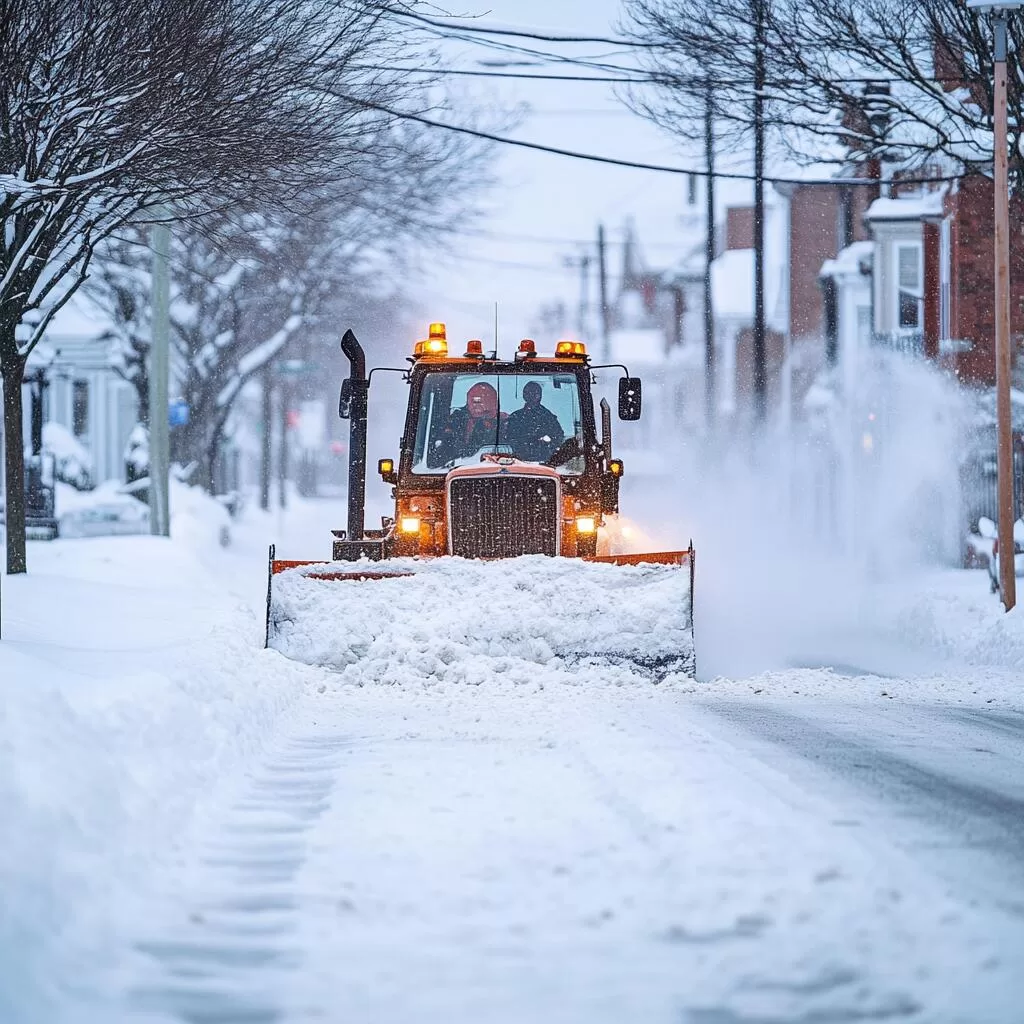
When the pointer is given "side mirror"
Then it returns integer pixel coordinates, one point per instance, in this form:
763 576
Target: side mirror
386 469
630 398
345 399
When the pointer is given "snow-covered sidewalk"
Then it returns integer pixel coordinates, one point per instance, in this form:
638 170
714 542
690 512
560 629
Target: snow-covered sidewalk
132 680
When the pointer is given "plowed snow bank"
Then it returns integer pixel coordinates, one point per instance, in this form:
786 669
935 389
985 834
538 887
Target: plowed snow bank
461 621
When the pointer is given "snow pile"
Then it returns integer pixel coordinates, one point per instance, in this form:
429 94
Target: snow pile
460 621
966 623
104 511
198 520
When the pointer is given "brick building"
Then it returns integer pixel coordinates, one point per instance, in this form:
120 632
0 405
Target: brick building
959 323
824 220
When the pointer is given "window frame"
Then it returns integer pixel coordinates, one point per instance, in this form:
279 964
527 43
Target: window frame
899 290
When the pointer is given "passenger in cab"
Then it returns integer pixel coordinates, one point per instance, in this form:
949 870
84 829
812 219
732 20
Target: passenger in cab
533 431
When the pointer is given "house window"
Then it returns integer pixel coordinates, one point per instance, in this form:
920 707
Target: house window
80 407
909 293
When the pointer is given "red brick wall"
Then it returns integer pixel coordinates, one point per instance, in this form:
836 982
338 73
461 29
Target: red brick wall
739 227
816 223
862 197
814 238
972 279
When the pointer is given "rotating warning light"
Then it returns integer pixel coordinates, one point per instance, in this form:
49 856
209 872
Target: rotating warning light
409 524
615 467
438 330
527 347
431 347
571 350
474 347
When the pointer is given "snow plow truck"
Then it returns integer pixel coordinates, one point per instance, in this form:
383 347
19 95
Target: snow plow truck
498 459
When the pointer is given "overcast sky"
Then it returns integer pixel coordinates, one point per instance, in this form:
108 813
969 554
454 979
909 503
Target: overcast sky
543 196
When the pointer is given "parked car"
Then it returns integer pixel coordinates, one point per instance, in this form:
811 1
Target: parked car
988 531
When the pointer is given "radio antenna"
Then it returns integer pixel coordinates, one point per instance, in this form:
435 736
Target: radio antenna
495 330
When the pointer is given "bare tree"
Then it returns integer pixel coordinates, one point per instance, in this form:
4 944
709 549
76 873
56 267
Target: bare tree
245 284
905 82
109 110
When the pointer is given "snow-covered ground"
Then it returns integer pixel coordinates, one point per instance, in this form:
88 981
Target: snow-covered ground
827 826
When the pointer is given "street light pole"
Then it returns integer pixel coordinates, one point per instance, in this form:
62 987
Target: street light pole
1004 419
159 371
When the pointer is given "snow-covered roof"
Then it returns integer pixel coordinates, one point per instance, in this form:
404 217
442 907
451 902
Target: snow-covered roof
77 319
849 260
732 285
907 208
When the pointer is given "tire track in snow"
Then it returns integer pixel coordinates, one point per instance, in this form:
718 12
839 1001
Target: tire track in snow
228 958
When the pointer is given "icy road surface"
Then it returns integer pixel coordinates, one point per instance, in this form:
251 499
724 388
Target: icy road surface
603 854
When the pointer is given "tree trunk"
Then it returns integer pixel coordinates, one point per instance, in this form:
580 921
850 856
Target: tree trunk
14 466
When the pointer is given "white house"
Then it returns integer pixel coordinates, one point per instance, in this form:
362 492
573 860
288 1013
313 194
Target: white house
85 396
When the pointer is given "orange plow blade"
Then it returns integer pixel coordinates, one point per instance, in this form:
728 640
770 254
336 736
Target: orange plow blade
641 615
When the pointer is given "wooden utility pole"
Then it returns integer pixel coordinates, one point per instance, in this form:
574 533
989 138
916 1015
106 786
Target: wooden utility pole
1007 580
709 258
602 267
760 373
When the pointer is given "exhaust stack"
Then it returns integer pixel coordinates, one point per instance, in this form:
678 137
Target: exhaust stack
353 407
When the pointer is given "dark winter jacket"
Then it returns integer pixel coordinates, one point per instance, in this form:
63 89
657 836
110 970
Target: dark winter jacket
465 435
534 433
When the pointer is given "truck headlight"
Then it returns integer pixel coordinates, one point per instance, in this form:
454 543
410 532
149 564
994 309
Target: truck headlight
409 524
586 524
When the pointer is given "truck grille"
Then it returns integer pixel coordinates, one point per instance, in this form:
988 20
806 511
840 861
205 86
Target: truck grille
503 516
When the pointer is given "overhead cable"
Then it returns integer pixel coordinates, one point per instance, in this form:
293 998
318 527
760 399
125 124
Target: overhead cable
636 164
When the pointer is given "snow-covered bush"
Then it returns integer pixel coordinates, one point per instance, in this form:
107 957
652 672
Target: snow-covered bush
136 454
74 464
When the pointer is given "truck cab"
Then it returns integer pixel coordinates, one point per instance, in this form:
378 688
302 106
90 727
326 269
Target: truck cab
498 458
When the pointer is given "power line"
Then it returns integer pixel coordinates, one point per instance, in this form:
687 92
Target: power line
544 37
511 236
546 56
665 80
537 76
634 164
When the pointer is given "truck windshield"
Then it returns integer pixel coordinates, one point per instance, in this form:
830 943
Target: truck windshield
462 416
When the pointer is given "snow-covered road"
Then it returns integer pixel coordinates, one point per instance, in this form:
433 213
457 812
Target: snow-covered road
826 827
600 854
